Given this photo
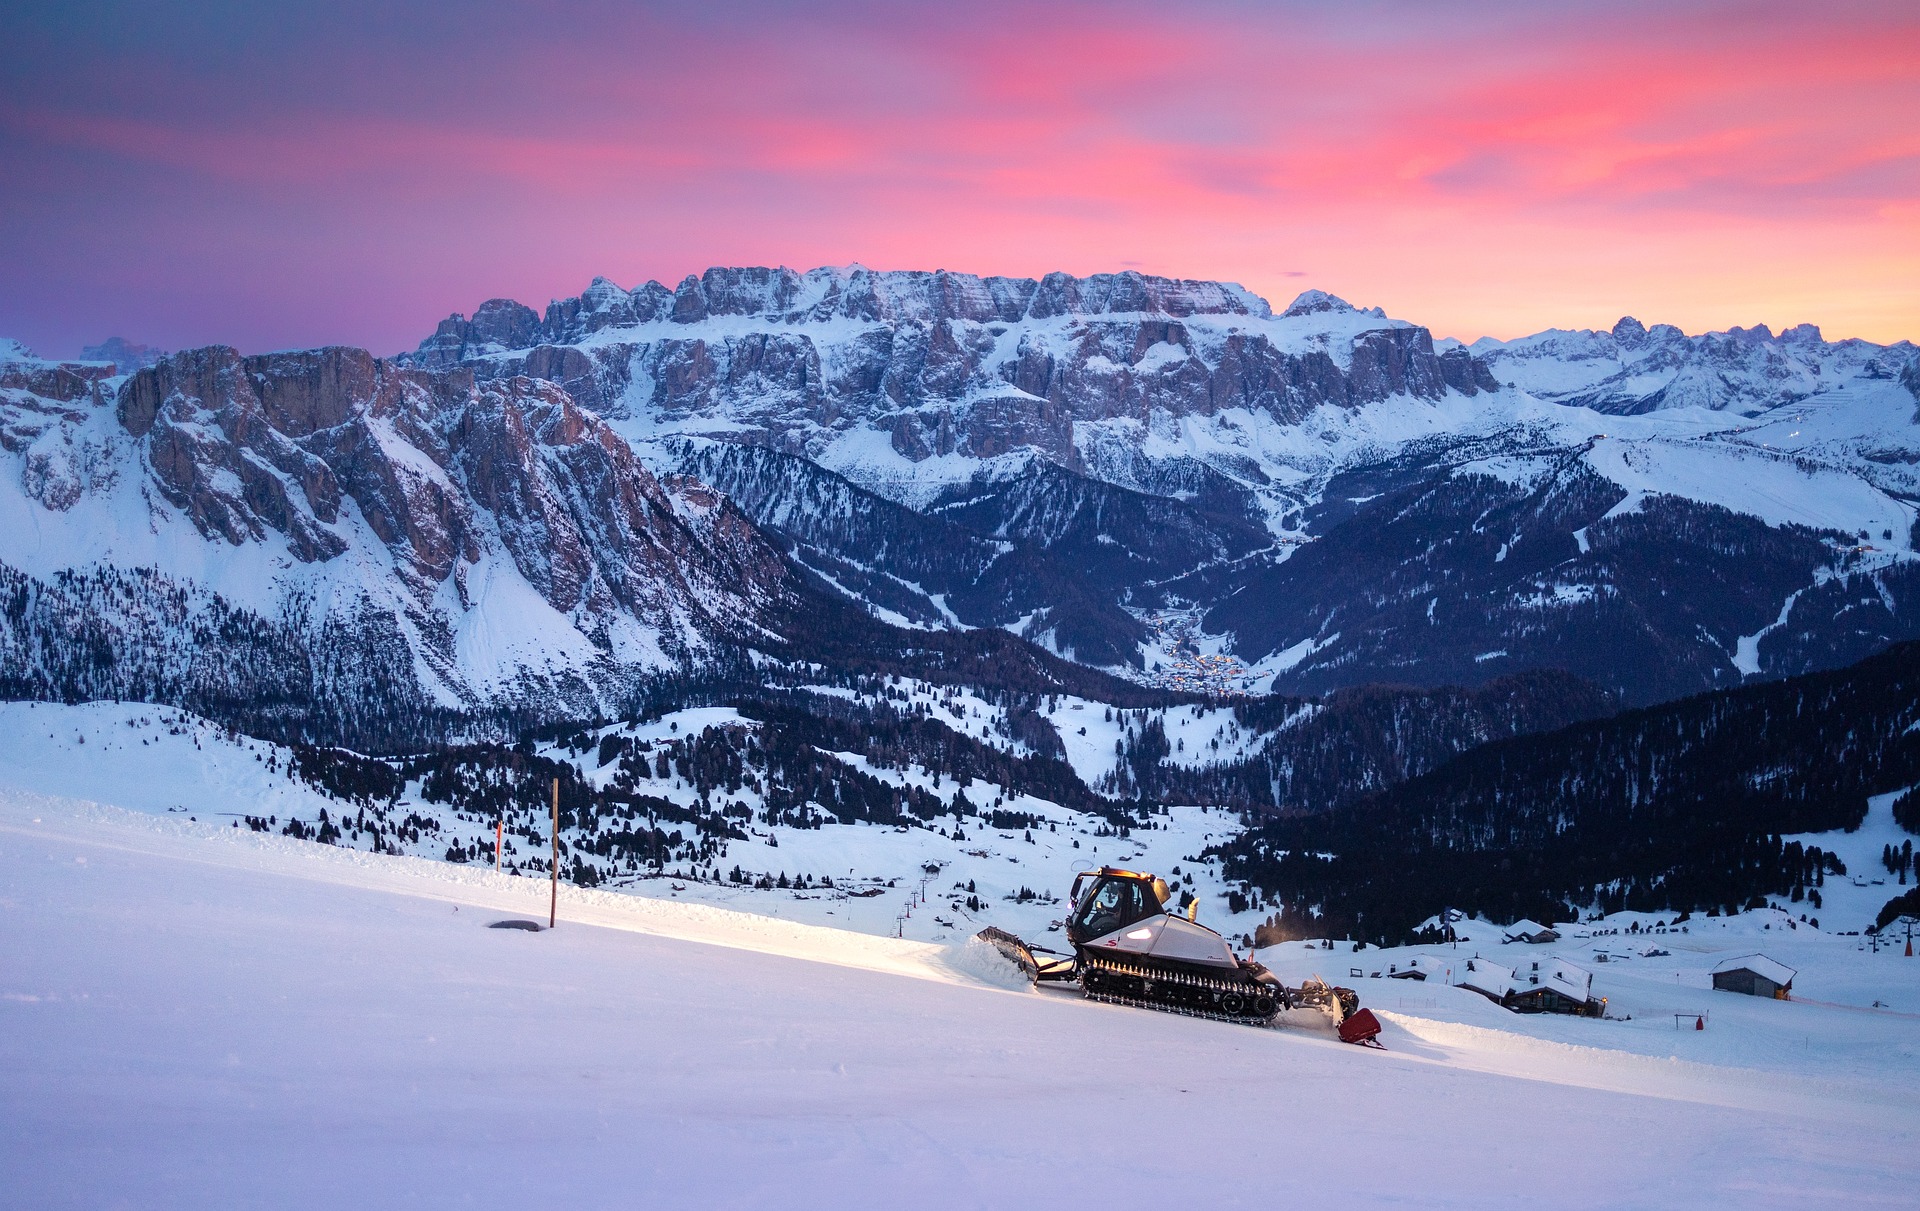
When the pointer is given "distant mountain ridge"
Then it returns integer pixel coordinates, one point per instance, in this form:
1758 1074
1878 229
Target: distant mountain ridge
945 363
1635 369
1630 368
1321 423
854 293
535 509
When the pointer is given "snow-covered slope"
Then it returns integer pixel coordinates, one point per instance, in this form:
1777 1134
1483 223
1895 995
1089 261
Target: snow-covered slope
151 759
200 1016
934 883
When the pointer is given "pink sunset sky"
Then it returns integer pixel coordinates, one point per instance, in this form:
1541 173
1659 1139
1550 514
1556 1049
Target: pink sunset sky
228 172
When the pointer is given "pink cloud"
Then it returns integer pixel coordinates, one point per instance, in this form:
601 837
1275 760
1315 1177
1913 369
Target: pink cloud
1495 170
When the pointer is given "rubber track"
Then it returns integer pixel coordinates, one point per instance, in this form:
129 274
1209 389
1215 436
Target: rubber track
1175 977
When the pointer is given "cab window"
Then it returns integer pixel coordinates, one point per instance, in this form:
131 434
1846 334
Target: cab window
1114 903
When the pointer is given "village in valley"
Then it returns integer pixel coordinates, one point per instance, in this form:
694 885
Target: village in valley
1181 661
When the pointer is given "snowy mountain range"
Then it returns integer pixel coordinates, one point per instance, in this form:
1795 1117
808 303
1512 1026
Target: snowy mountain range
1633 368
1339 497
1172 480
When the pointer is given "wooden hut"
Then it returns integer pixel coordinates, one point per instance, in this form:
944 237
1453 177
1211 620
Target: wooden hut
1422 967
1530 932
1754 975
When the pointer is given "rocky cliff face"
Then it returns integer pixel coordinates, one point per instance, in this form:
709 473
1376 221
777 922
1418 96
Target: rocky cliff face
41 404
439 468
782 296
946 363
514 539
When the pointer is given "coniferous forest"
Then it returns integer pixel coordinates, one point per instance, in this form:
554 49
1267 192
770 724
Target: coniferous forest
1682 807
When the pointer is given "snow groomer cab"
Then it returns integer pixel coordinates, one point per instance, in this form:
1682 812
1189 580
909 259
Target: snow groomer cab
1120 923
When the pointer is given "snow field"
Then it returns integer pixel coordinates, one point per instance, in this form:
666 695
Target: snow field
196 1017
1852 901
149 759
1774 487
1088 735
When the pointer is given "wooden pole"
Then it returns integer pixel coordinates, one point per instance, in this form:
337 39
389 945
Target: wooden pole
499 837
553 904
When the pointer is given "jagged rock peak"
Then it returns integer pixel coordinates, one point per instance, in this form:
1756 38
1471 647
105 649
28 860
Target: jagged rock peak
410 507
1318 302
856 292
1629 331
852 292
125 355
1636 367
440 468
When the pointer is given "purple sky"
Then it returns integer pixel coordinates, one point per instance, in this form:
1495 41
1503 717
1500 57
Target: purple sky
351 173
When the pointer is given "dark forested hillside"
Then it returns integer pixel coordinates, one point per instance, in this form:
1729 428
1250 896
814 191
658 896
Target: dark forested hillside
1330 751
1673 807
809 759
137 634
1422 573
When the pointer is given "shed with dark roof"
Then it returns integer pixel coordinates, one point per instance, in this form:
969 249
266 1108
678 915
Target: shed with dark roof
1754 975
